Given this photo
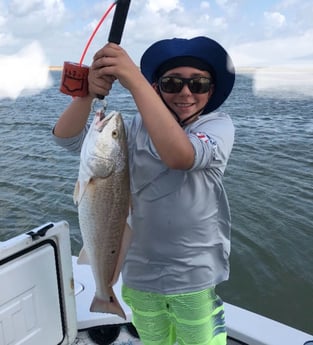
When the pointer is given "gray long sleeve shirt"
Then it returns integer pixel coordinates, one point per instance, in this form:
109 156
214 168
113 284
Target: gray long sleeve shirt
180 219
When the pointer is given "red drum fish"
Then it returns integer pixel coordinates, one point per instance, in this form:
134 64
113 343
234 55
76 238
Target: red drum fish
102 195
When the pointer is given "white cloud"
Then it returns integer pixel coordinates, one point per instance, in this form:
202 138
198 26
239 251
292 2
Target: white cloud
6 39
220 23
3 20
32 20
204 5
274 23
49 10
298 15
291 49
230 7
163 5
274 19
256 33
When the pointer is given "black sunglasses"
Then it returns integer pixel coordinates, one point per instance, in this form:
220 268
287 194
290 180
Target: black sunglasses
175 84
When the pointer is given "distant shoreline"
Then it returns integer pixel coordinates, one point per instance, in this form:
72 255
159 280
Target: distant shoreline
55 68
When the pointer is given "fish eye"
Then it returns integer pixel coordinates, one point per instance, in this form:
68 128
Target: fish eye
115 134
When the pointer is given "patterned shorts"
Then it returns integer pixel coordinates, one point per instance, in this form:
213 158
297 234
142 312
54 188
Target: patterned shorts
195 318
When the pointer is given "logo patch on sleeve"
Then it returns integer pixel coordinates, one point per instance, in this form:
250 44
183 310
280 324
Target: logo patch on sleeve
207 139
203 137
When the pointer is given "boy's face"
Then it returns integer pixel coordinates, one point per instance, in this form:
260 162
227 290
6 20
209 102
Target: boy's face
185 103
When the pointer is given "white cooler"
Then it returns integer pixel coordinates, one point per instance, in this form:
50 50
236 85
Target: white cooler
41 302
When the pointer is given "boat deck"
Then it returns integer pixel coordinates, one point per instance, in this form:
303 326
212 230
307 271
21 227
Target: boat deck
84 338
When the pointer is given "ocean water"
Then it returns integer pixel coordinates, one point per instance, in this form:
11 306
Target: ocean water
268 180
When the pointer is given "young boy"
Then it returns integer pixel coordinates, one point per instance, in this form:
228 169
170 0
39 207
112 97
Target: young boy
178 151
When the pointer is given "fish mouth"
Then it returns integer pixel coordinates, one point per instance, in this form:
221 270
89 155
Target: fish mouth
102 120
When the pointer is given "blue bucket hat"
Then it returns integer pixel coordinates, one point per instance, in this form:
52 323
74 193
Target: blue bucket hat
161 56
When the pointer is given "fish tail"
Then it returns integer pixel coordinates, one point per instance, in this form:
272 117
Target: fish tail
111 306
83 257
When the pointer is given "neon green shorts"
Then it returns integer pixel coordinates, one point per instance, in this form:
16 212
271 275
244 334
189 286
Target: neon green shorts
190 319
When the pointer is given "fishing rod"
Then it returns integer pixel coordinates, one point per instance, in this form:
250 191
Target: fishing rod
118 24
74 80
119 20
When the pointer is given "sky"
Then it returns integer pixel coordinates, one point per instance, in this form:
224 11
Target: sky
263 34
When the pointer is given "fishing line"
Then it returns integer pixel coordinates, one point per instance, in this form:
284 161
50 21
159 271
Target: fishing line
107 12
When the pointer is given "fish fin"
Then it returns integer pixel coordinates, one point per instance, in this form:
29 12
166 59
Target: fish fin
83 257
76 193
125 243
79 190
112 306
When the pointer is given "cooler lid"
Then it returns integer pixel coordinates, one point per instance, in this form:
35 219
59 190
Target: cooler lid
37 304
